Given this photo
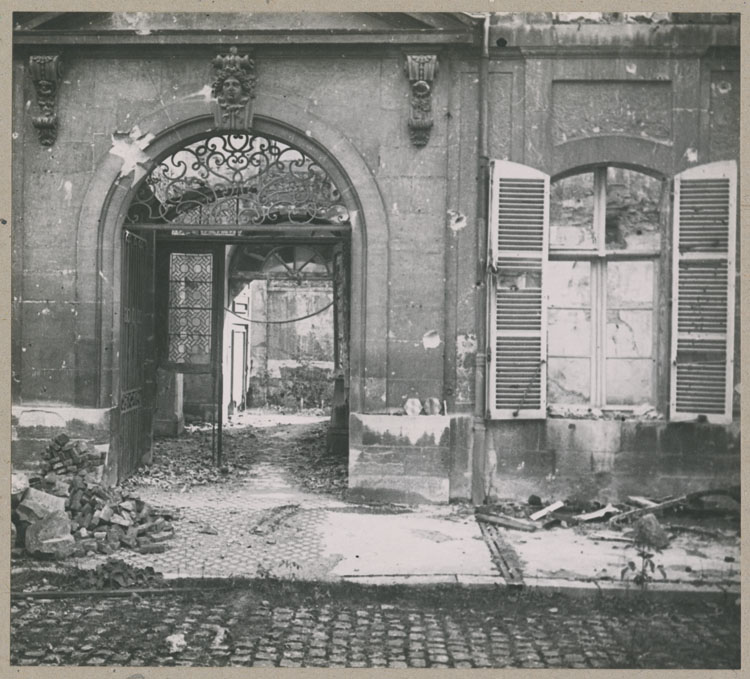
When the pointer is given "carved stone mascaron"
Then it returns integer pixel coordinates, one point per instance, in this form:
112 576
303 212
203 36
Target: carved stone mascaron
233 90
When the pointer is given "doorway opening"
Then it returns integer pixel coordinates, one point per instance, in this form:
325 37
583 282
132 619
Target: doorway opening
251 244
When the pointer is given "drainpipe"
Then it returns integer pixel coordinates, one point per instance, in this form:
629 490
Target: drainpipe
479 454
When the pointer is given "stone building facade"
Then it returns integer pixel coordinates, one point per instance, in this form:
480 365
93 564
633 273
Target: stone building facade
528 222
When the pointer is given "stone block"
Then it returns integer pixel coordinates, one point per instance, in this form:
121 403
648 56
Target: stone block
50 537
37 505
428 462
461 444
19 484
402 488
419 430
583 435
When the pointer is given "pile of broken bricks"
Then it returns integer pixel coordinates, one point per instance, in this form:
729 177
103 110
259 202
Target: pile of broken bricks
79 517
64 456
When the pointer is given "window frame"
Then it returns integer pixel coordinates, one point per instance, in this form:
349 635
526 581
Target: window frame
598 257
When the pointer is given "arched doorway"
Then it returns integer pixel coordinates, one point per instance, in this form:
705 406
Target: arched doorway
203 206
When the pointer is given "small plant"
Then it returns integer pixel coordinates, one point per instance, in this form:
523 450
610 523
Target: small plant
649 537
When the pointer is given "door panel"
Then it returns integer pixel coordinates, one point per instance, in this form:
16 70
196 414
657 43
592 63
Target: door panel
137 379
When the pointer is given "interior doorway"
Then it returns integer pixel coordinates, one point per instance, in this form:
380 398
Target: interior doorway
282 350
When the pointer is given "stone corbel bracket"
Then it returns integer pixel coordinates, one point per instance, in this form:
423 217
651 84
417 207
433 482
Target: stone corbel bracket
421 70
46 71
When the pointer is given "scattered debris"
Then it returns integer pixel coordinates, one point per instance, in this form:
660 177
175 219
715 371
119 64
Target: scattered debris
412 406
505 521
208 529
609 537
641 501
176 643
547 510
602 513
732 492
116 574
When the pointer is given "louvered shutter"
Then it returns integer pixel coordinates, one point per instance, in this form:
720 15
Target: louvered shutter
703 275
518 226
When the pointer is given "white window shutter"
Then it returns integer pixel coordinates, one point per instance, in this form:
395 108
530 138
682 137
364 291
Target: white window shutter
703 276
517 327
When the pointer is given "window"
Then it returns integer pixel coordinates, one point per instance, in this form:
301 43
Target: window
578 281
605 237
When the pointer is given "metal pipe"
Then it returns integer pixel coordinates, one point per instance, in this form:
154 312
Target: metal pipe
479 454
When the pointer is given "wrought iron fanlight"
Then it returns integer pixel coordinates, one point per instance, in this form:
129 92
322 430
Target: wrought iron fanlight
238 179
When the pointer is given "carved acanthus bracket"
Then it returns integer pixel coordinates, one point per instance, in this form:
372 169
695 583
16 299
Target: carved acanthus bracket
421 69
46 71
233 90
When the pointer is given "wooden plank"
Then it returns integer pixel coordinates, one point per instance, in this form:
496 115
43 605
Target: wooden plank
547 510
642 501
507 522
598 514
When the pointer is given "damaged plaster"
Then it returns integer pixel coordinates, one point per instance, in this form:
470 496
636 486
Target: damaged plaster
129 146
456 221
431 339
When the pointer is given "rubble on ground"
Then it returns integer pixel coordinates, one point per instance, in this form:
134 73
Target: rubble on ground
566 513
115 574
69 513
65 456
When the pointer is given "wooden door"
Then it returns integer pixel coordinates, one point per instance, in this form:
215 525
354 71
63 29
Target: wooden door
137 374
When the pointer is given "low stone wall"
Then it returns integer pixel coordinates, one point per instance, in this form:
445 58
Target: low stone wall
420 458
610 459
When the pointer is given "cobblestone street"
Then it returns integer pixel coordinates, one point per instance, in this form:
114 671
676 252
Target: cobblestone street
297 624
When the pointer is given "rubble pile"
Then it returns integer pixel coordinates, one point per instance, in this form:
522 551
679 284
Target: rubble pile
115 573
64 456
103 519
567 513
69 513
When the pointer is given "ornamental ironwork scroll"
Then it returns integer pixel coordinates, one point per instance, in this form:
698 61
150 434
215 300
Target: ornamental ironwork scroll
421 70
233 90
46 71
238 179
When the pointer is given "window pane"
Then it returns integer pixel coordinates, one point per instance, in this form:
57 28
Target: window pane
569 380
630 333
630 285
634 204
629 381
572 213
629 370
569 285
189 317
569 332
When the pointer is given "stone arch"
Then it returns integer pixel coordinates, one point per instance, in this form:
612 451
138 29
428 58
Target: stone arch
98 251
642 155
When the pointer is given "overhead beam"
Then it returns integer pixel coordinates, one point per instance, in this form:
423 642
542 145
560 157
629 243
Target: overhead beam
39 20
312 37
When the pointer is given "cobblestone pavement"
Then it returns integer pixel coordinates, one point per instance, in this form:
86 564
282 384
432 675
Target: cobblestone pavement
297 624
